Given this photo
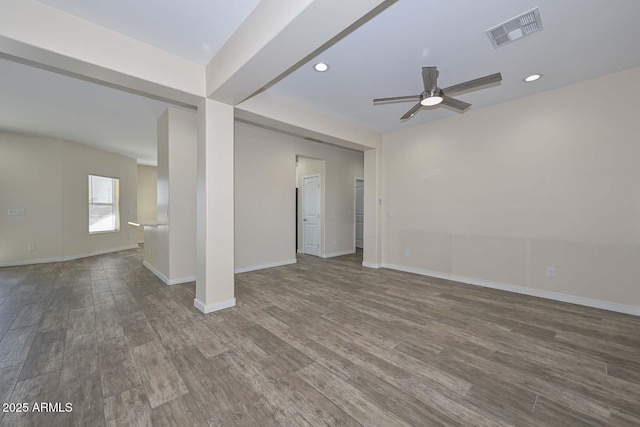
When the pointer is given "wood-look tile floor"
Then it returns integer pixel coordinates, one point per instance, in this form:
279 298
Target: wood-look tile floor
322 342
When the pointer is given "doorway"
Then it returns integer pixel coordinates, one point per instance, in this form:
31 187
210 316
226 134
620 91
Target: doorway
311 206
359 213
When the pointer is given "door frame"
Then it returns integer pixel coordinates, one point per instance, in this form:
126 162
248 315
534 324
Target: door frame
321 222
355 196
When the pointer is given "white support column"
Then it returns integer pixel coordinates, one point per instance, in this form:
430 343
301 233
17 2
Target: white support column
215 222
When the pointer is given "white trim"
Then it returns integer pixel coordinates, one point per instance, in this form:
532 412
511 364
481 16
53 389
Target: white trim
334 254
102 252
355 198
155 271
210 308
370 264
180 280
66 258
31 261
573 299
263 266
165 279
300 251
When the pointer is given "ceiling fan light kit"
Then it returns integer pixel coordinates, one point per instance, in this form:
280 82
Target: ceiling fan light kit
432 99
433 95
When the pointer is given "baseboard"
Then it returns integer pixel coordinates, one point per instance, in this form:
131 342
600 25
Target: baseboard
181 280
165 279
588 302
335 254
103 252
157 272
31 261
370 264
210 308
263 266
300 251
66 258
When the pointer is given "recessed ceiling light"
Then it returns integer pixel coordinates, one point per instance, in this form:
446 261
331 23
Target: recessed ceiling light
532 77
321 67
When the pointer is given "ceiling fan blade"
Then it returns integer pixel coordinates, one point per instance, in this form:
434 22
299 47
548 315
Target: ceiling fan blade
411 112
397 98
430 78
455 103
471 84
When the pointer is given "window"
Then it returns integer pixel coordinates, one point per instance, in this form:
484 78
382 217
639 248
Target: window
104 214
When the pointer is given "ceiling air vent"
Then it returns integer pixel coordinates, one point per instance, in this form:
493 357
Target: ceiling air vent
515 29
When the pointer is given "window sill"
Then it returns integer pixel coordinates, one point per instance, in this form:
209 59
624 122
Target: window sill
103 232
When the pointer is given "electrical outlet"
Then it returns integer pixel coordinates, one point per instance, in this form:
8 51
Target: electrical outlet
407 253
31 248
551 272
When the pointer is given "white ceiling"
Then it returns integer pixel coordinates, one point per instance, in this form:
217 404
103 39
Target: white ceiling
192 29
44 103
581 40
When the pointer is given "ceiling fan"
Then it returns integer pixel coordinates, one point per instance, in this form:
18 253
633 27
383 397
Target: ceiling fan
433 95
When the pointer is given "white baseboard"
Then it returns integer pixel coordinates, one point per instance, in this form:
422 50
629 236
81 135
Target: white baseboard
103 252
66 258
334 254
157 272
370 265
263 266
300 251
210 308
165 279
588 302
180 280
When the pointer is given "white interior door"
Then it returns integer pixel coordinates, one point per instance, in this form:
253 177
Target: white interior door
311 204
359 213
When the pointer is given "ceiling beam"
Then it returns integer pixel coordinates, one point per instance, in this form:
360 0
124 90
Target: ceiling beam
42 36
285 115
276 38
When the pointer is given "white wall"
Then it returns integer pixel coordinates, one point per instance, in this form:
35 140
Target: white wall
265 195
147 196
501 193
183 140
49 179
170 248
156 248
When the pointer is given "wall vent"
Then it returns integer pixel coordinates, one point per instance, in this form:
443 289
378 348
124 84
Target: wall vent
515 29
